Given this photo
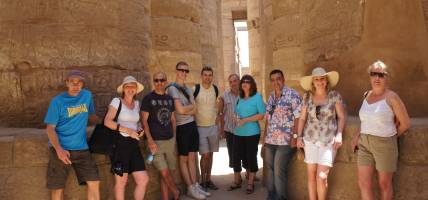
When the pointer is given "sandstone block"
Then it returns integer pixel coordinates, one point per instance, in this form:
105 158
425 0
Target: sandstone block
188 10
413 147
6 151
410 182
31 150
175 35
30 183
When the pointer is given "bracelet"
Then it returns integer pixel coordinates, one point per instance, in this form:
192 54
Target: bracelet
117 127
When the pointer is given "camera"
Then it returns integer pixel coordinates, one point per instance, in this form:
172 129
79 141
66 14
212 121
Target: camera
117 168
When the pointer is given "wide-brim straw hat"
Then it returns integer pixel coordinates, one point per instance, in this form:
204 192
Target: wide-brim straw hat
130 79
332 77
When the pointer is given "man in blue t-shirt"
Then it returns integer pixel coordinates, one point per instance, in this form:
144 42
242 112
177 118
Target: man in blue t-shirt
66 122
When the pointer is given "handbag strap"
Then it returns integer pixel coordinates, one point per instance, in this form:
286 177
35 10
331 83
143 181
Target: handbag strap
118 111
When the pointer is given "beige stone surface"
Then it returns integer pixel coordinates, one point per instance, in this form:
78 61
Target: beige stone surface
228 35
210 38
184 9
40 40
18 181
347 36
6 151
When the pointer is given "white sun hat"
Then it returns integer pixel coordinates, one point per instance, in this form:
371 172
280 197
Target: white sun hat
332 77
130 79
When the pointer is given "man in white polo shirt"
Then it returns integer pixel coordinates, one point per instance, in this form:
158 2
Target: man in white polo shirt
206 117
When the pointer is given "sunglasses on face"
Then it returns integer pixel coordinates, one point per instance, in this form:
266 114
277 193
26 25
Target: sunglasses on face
184 70
246 81
160 80
378 74
318 112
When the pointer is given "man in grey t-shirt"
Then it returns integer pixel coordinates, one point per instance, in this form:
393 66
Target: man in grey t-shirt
186 133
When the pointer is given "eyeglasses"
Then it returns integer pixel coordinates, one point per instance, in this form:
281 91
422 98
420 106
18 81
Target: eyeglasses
161 80
318 112
246 81
378 74
184 70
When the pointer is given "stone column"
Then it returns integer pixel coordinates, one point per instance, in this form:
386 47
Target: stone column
40 40
176 33
286 32
256 46
210 40
228 35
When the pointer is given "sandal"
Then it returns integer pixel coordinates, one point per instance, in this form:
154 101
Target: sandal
179 193
250 189
235 186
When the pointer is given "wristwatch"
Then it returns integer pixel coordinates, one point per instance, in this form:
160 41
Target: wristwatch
295 136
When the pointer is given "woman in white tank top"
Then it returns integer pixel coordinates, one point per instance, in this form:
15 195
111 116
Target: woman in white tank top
383 117
127 158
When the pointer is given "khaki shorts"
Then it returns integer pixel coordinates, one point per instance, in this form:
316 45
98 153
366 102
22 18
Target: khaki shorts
166 157
82 163
381 152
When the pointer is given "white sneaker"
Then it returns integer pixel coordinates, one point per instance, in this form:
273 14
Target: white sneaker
193 192
201 190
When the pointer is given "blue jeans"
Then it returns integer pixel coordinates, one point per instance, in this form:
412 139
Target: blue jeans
277 158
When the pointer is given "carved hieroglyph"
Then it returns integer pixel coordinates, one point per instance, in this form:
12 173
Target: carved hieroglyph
40 39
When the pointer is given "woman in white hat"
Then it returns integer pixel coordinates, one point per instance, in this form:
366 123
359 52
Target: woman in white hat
383 118
127 158
321 123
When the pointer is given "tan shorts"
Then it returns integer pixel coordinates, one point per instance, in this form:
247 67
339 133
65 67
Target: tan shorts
381 152
166 157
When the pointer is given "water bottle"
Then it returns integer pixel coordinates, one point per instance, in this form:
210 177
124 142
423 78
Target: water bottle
149 159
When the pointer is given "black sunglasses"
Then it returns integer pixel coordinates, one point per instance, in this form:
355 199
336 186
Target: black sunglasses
246 81
184 70
161 80
378 74
318 112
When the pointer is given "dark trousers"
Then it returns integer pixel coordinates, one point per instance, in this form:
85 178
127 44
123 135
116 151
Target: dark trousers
229 145
245 149
277 158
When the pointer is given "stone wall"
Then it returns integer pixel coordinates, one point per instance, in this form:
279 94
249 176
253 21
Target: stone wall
25 156
40 40
303 32
347 36
23 169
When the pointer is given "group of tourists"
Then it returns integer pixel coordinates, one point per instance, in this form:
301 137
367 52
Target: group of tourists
178 121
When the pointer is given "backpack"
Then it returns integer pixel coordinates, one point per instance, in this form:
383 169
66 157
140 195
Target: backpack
179 88
198 88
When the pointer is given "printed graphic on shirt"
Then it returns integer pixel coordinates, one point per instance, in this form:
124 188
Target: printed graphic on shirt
164 116
76 110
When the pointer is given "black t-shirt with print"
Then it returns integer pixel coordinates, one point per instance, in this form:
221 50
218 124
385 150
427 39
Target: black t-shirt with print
160 108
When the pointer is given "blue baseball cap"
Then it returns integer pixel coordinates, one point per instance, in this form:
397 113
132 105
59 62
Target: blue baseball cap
77 74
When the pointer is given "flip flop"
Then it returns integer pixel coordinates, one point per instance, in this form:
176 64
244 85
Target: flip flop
250 189
235 186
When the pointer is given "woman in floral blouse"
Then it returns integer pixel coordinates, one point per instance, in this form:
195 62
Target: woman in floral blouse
321 123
